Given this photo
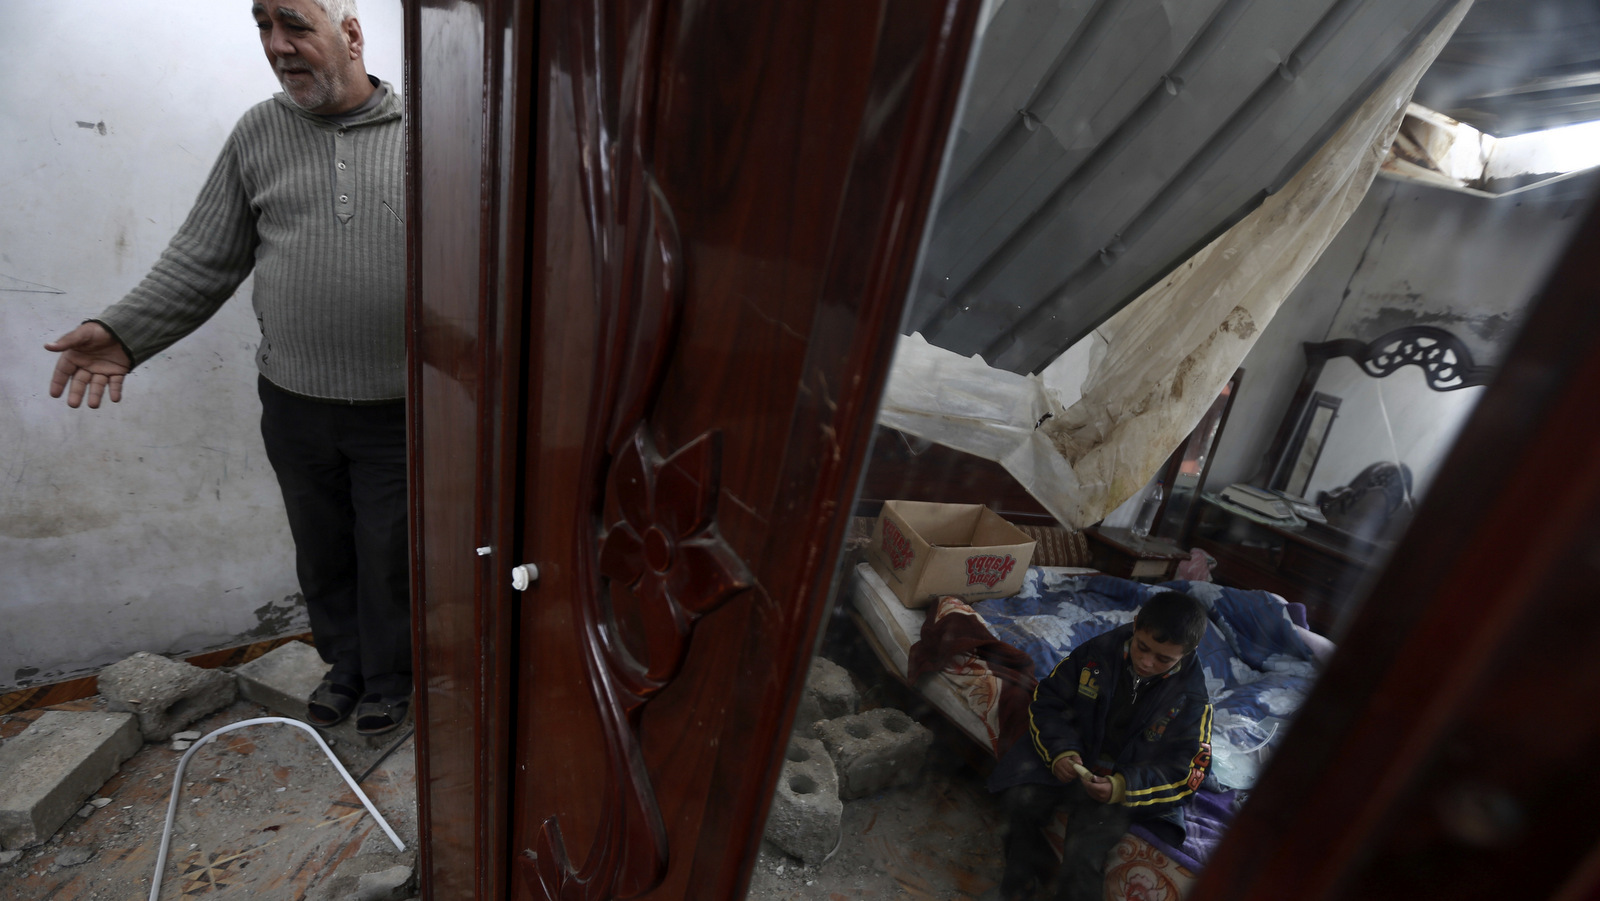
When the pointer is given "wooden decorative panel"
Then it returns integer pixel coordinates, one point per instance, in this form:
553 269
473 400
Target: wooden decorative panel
726 206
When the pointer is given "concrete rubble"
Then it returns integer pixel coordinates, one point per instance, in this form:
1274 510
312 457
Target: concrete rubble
52 768
806 810
53 771
852 755
282 679
829 693
393 884
872 751
164 694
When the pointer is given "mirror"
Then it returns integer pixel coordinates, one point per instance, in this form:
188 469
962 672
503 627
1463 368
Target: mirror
1399 419
1099 153
1305 451
1379 419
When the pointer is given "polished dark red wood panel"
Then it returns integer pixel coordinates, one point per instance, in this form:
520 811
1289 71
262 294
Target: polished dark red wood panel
728 201
467 197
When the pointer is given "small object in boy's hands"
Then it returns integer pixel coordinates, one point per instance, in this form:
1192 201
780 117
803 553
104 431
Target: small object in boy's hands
1082 771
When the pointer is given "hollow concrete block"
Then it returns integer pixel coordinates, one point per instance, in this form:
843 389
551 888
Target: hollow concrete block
829 693
875 750
806 810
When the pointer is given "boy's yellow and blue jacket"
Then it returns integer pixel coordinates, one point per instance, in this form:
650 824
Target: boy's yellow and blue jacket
1168 746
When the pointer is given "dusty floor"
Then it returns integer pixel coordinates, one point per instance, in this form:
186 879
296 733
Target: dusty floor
937 841
262 814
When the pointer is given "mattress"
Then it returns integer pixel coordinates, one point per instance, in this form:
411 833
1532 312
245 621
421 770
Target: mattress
967 696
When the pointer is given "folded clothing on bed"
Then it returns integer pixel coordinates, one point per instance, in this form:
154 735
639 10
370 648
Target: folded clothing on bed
952 631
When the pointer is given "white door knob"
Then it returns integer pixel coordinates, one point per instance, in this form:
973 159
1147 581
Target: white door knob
524 575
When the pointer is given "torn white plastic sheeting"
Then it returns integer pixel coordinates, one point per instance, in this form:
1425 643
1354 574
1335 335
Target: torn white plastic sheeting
1158 364
964 403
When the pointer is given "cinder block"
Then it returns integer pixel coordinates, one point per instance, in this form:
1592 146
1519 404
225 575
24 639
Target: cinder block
282 679
165 695
806 810
875 750
829 693
52 767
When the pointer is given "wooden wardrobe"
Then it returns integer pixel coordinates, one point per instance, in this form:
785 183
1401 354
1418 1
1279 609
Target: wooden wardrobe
658 255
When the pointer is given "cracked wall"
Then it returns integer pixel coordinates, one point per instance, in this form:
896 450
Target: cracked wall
1465 264
154 524
1410 255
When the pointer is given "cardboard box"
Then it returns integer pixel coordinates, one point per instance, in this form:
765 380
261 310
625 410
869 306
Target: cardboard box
927 551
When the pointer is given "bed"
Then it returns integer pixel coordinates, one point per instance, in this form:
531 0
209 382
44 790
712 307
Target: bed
1259 661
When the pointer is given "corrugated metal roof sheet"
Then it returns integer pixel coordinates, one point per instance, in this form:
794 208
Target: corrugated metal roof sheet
1104 141
1516 66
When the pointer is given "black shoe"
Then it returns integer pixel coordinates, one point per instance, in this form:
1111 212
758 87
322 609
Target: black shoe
331 702
377 715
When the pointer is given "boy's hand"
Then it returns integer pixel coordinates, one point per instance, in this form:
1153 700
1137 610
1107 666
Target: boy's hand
1066 767
1097 787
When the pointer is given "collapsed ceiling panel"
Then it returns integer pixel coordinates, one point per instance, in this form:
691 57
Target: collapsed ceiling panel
1516 66
1104 141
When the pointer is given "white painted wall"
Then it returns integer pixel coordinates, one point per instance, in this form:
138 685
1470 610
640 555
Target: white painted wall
1410 255
154 524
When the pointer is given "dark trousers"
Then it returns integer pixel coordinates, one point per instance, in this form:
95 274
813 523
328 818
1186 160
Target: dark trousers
342 469
1093 829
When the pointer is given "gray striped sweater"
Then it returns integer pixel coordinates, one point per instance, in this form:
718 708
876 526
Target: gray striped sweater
317 209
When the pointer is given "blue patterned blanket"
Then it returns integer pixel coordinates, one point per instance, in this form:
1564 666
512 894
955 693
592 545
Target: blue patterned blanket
1258 670
1257 667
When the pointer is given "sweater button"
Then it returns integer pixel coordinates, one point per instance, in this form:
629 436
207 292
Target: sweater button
342 165
344 198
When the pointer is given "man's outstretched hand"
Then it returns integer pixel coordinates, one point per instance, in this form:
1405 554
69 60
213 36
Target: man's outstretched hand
91 362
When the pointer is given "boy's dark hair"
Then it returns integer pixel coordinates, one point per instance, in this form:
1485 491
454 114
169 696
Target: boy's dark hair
1173 617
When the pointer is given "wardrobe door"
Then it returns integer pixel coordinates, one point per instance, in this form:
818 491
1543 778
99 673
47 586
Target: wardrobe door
726 203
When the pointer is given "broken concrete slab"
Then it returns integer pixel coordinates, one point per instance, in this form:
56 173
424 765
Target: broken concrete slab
806 810
165 694
829 693
875 750
282 679
55 765
393 884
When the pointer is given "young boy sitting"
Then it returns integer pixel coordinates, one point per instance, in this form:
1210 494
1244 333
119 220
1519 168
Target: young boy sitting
1119 732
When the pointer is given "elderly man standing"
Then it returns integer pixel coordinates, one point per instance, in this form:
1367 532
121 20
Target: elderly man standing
309 193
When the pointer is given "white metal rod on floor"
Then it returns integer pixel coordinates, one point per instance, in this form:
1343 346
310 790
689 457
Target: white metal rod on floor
177 783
